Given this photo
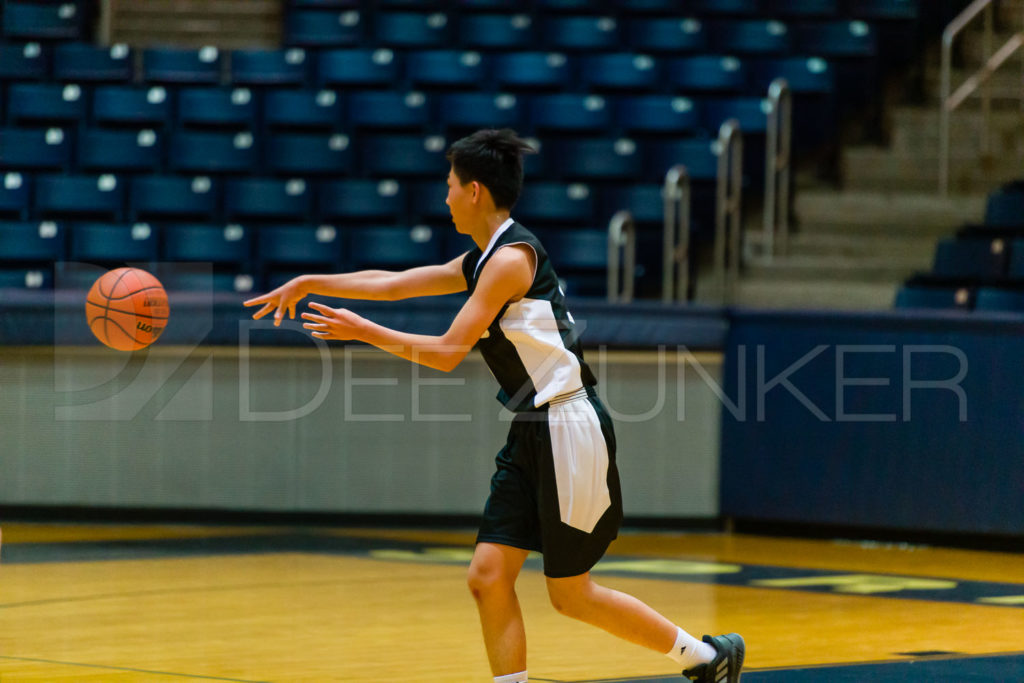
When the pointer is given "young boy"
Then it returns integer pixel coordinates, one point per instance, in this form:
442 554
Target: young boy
556 489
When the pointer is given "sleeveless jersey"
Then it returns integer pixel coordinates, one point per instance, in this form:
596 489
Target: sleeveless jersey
532 346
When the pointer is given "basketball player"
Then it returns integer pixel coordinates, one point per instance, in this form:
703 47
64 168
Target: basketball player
556 489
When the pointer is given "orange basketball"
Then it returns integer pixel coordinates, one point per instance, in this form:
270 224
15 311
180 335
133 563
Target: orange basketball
127 309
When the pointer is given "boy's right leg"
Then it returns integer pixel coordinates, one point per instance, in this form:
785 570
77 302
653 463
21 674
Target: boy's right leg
492 579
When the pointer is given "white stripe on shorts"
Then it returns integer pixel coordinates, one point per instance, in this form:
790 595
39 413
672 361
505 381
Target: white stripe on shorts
581 463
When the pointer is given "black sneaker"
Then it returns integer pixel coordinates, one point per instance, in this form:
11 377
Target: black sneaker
725 667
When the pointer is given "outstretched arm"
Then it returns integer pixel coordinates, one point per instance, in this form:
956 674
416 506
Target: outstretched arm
373 285
506 277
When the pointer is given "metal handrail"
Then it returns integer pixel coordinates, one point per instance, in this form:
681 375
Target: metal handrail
675 277
949 100
621 236
777 168
728 219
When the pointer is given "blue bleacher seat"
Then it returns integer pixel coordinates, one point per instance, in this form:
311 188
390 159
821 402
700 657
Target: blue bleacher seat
598 159
156 197
131 106
24 62
119 150
754 36
580 257
428 202
377 67
570 112
675 35
26 278
42 21
34 148
950 298
404 155
582 33
205 152
302 109
644 202
557 202
884 9
411 29
518 70
1005 207
301 154
362 199
837 39
1015 267
445 68
190 277
388 109
323 28
86 62
803 8
114 242
395 247
480 110
267 199
223 245
750 112
28 242
79 195
971 259
657 114
697 154
647 6
621 71
725 7
37 103
996 299
299 245
217 108
723 73
270 67
180 65
803 74
497 31
15 191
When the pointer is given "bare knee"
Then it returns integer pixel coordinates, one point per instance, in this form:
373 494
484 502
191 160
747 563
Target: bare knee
568 596
488 578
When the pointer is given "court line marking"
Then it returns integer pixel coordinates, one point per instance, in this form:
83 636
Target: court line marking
129 668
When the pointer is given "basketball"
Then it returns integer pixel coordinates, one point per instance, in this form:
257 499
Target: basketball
127 309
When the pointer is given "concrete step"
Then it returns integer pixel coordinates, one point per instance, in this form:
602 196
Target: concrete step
832 268
1004 85
924 214
877 168
850 245
780 294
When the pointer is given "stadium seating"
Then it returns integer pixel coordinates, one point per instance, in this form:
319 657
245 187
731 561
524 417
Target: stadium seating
570 113
412 29
556 203
618 71
119 150
404 155
675 35
171 197
357 67
132 106
42 103
395 247
77 196
299 154
298 245
267 199
222 245
474 110
362 200
323 28
975 259
179 65
78 62
658 114
27 243
114 243
497 31
41 21
24 62
581 33
445 68
385 109
216 108
205 152
15 191
531 70
302 109
708 73
34 149
948 298
288 67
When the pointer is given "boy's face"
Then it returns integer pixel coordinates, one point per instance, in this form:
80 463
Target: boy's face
460 201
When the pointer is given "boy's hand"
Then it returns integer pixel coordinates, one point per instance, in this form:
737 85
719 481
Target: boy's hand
332 323
281 300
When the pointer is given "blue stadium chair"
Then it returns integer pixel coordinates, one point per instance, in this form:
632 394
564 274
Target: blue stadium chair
837 39
675 35
884 9
412 29
267 199
697 154
24 62
352 68
492 4
119 150
556 203
78 196
600 159
189 277
1005 207
131 106
1002 300
566 6
388 109
15 191
446 68
761 37
496 31
750 112
39 103
580 257
570 112
647 6
303 154
299 246
178 65
34 149
709 73
222 245
395 247
26 278
805 75
42 21
1015 268
25 243
302 109
114 243
86 62
971 259
216 108
644 202
582 33
203 152
404 155
823 9
323 28
950 298
270 67
725 7
620 71
428 202
362 199
156 197
521 70
657 114
480 110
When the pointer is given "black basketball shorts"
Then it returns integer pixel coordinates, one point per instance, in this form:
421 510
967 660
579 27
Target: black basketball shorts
556 488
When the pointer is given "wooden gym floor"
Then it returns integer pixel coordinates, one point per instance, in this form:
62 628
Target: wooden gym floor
165 603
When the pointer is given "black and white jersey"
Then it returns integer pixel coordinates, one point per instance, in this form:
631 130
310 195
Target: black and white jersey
532 346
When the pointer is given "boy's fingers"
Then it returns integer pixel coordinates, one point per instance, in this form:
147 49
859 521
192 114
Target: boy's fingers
267 308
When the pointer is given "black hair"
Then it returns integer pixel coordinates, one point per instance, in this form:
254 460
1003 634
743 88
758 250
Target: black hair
493 158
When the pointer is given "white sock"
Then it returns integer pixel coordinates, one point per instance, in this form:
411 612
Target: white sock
688 652
512 678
